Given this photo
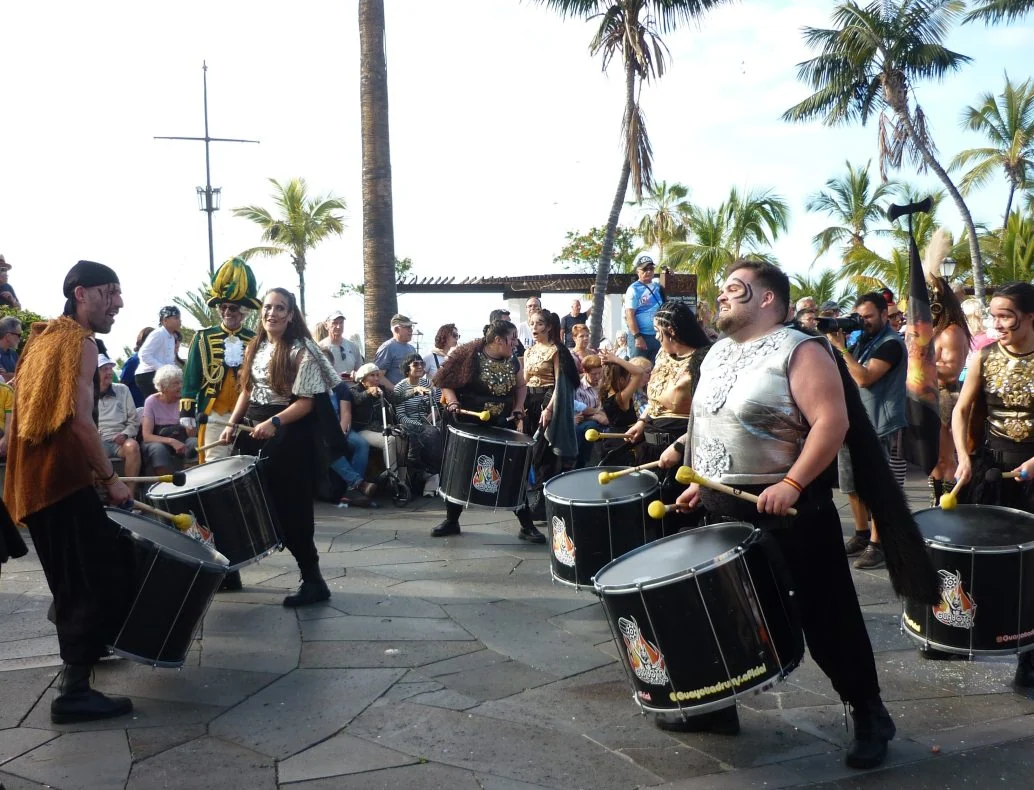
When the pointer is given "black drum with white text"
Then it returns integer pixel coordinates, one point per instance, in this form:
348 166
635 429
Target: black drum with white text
485 466
591 523
984 555
227 497
174 579
702 617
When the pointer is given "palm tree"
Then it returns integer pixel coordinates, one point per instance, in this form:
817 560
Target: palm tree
739 227
631 30
854 205
869 62
994 11
301 223
1010 251
663 218
380 299
1007 121
826 287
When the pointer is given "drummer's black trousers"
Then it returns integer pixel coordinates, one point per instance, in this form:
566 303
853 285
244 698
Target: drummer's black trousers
89 572
813 551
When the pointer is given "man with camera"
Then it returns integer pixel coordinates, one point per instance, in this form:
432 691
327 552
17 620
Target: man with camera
877 363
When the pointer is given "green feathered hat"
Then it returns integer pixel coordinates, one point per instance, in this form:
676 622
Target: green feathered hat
234 282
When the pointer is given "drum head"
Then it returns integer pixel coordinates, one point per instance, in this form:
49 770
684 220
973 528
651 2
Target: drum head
491 433
582 486
673 556
976 526
202 476
169 539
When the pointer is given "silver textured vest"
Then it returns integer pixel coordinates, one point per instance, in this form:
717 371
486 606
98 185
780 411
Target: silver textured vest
747 429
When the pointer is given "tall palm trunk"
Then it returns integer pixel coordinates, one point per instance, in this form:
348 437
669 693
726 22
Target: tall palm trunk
380 300
1008 204
599 298
299 265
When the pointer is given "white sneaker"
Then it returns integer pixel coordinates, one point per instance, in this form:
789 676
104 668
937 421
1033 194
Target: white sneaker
431 486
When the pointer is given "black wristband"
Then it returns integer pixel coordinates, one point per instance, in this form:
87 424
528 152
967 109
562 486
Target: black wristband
637 335
680 448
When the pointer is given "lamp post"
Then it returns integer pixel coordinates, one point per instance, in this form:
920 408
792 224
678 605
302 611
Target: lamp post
948 267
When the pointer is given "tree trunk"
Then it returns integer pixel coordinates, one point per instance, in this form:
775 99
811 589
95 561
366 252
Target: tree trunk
599 298
1008 205
380 301
299 265
960 204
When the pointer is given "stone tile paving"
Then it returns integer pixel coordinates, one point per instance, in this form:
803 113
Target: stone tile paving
457 664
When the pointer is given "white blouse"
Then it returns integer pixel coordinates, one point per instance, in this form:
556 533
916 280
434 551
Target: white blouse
314 374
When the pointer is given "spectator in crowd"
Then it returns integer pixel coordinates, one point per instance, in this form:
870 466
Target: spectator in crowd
533 305
116 418
350 452
621 345
705 317
346 355
639 398
830 309
807 313
642 301
619 382
7 295
445 340
167 444
159 348
128 373
575 318
413 407
372 394
896 317
588 410
10 337
976 320
581 349
392 352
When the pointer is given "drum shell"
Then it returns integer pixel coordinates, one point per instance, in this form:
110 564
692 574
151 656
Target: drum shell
586 534
233 506
508 455
991 587
720 630
173 581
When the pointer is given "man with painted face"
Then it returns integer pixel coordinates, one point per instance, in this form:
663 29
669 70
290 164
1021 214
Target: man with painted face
878 365
768 416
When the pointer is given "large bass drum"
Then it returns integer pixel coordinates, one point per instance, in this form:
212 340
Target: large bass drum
592 523
701 617
174 579
485 466
227 497
984 555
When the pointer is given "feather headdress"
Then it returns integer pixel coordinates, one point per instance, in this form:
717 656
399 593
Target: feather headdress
936 251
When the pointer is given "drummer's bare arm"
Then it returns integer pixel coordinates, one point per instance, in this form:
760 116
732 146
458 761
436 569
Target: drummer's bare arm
293 413
452 401
819 393
520 392
239 410
972 391
675 454
688 499
86 432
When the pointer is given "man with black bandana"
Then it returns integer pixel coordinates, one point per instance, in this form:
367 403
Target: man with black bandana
55 458
768 416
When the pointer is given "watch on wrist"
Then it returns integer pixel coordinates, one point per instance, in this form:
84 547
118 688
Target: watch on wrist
276 421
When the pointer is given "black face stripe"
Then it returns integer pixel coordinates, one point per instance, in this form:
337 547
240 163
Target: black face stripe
748 292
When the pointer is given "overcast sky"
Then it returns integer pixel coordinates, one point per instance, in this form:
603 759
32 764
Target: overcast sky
504 135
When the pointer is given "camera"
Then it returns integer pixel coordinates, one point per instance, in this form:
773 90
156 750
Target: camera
847 324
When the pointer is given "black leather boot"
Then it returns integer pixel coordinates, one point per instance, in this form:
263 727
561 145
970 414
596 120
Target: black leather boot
446 528
76 701
1024 671
873 728
936 489
724 721
312 590
528 531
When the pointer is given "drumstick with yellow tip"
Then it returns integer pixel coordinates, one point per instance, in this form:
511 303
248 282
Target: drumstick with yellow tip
176 478
181 521
606 477
592 435
950 501
687 475
659 510
484 416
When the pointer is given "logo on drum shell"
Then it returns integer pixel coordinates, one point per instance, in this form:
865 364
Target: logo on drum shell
646 660
486 478
957 608
563 546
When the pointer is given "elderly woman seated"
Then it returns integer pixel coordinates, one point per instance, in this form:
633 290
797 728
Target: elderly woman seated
167 444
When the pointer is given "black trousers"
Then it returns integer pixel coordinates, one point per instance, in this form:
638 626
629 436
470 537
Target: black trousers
145 383
813 551
88 570
288 477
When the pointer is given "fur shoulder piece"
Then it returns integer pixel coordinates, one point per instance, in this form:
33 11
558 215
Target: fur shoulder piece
457 371
48 374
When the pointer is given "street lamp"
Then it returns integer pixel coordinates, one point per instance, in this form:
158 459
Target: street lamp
948 267
208 199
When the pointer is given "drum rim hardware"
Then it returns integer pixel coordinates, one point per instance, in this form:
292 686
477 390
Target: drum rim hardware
562 500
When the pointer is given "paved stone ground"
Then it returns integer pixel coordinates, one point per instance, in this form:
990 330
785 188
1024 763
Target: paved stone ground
457 664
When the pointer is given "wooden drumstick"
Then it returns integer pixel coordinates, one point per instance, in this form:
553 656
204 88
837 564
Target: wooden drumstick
484 416
176 478
950 500
592 435
687 475
659 510
210 445
181 521
606 477
239 427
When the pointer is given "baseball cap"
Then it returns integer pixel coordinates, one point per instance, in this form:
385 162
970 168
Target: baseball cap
334 315
102 360
401 320
644 262
830 305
